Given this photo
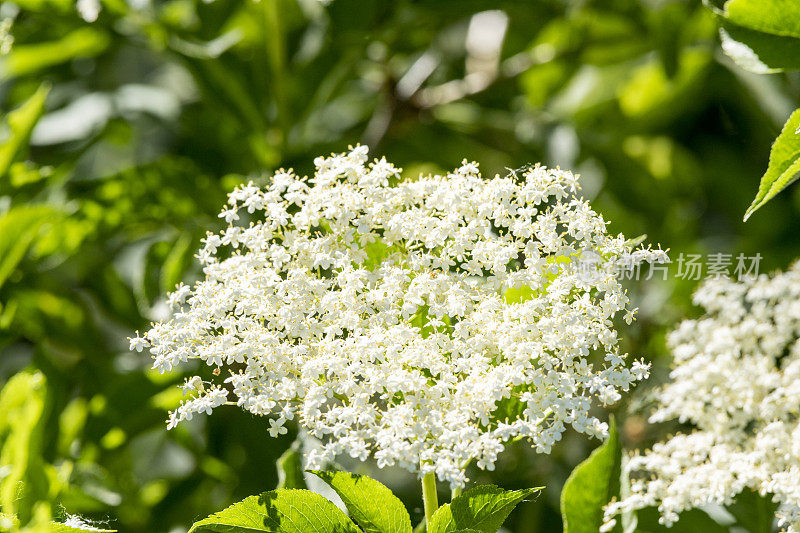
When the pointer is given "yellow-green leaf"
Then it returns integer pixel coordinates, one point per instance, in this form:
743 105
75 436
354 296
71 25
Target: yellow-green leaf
20 124
27 59
370 503
482 508
279 511
784 164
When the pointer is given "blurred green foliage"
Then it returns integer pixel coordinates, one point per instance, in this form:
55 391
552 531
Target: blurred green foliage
121 137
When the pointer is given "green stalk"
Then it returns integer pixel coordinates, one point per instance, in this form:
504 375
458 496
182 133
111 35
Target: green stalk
429 497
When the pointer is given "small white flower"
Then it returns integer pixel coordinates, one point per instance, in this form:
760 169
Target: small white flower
276 427
736 382
405 320
138 343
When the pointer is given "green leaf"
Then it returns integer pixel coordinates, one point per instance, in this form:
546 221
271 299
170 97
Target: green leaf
23 410
753 512
290 470
27 59
20 123
778 17
483 508
19 227
762 35
784 164
177 262
591 486
759 52
279 511
370 503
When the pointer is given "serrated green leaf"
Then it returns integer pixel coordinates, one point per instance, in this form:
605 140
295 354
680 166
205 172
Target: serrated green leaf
279 511
290 470
784 164
483 508
20 124
591 486
371 504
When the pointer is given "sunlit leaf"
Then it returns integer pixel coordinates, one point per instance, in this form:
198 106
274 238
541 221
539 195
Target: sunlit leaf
483 508
23 405
762 35
784 165
778 17
279 511
20 124
26 59
370 503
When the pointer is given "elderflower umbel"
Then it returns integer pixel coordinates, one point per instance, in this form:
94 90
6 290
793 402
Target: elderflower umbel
736 380
423 323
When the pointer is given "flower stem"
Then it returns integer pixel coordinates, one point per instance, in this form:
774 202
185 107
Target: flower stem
429 497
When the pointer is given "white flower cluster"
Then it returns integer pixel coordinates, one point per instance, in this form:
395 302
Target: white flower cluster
736 380
89 10
6 38
422 322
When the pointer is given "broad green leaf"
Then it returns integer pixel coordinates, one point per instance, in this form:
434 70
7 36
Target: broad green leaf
290 470
18 229
483 508
753 512
279 511
784 164
757 51
762 35
27 59
779 17
20 124
370 503
591 486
